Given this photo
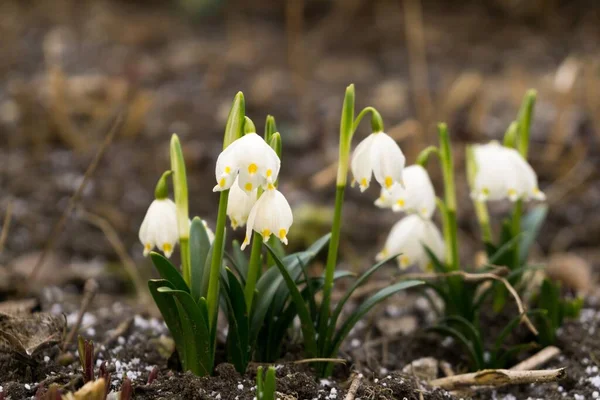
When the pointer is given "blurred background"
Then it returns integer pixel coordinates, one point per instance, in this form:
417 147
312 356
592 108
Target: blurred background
68 67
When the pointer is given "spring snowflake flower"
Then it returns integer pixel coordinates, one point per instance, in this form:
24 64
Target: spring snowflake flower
502 173
408 238
378 155
271 215
240 204
159 228
418 195
251 160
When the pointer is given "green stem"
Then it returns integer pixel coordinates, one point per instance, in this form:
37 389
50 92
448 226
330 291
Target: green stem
449 195
212 297
483 217
334 243
376 120
180 190
254 266
525 116
516 230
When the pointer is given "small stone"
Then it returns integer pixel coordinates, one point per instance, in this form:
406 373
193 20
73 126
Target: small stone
424 368
572 270
394 326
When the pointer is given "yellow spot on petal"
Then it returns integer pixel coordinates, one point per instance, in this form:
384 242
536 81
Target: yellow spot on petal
227 170
167 248
234 223
270 186
388 181
252 168
222 182
282 233
512 192
269 173
265 234
363 182
148 247
404 261
485 191
248 186
400 202
424 210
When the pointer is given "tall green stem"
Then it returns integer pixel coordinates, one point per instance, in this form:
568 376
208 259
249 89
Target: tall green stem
254 266
449 195
346 132
212 297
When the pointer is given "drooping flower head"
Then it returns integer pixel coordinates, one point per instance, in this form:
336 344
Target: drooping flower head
159 228
239 204
271 215
251 160
502 173
408 238
378 155
418 195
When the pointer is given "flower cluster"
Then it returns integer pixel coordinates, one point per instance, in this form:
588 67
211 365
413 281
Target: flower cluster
402 189
249 167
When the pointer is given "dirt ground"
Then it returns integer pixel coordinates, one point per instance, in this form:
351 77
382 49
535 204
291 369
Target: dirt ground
69 67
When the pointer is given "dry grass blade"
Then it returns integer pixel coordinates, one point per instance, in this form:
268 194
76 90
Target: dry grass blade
538 359
119 248
59 226
498 377
90 289
353 387
5 226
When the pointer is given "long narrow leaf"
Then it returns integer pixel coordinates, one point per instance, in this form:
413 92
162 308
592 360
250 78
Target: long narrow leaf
240 259
199 249
170 313
308 329
446 330
364 308
168 272
472 331
531 225
196 332
512 324
237 336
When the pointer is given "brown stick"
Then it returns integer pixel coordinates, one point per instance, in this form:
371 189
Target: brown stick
90 289
538 359
498 377
5 226
58 228
119 248
353 387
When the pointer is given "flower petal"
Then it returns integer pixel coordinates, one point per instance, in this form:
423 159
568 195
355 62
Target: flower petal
362 164
388 160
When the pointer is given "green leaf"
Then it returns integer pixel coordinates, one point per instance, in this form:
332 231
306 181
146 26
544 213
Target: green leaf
508 328
196 332
269 385
168 309
340 305
471 330
476 359
199 249
308 329
235 120
238 351
272 288
438 266
168 272
531 225
364 308
509 354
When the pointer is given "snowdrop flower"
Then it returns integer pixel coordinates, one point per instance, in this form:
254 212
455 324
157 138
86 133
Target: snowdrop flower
159 228
417 196
271 215
408 238
502 173
250 159
381 156
240 204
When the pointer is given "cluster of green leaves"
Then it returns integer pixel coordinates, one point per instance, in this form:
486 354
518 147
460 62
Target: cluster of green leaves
464 299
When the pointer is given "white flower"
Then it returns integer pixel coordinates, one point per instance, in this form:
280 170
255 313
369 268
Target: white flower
251 159
408 238
417 196
271 215
381 156
502 173
159 228
240 204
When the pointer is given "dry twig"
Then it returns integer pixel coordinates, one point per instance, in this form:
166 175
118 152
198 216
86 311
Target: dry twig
498 377
5 226
353 387
90 289
58 228
538 359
